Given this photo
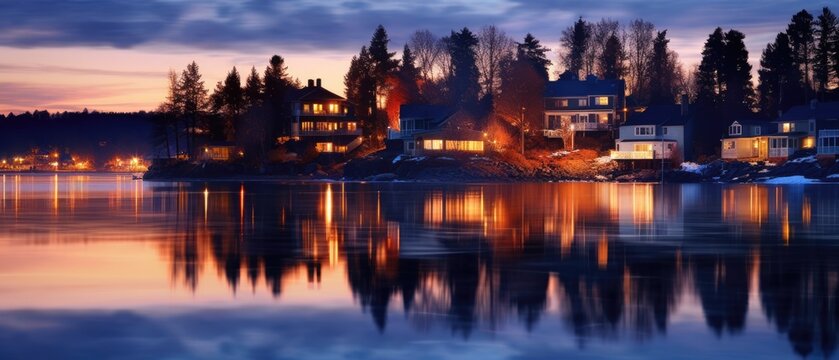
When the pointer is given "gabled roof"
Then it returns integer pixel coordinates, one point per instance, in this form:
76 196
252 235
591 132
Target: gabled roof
569 88
766 128
313 93
818 111
666 115
436 113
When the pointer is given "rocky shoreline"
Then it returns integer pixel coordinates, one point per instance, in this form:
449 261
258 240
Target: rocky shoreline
583 165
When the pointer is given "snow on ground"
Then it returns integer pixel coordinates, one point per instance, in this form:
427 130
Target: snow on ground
833 176
796 179
693 167
562 153
603 160
806 159
397 159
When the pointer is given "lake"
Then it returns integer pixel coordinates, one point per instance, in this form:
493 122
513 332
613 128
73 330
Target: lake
101 266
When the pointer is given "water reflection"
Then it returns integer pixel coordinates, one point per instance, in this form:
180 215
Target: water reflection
609 261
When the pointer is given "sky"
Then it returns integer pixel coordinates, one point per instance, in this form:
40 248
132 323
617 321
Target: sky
113 55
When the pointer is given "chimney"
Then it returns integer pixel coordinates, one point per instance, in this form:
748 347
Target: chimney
684 104
318 82
311 83
813 104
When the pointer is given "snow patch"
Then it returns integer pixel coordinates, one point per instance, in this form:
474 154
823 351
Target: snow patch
603 160
833 176
806 159
796 179
693 167
601 177
562 153
397 159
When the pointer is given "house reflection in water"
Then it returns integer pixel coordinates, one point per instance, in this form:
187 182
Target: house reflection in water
609 260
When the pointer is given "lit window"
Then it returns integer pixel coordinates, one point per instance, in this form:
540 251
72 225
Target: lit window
318 108
351 126
582 102
787 127
729 145
432 144
562 103
333 108
324 147
601 100
643 147
808 143
307 108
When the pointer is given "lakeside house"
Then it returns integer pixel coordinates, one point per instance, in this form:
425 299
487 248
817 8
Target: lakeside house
590 105
659 132
800 128
220 151
430 129
324 119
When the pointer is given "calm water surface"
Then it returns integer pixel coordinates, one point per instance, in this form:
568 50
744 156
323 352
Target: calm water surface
100 266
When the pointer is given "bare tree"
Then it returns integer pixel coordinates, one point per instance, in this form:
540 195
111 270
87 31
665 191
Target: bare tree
494 47
600 34
426 49
639 43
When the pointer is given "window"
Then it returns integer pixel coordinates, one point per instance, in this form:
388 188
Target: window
735 129
410 145
729 145
787 127
553 121
432 144
352 126
582 102
318 108
808 143
645 130
756 130
307 126
563 103
601 100
307 108
324 147
333 108
643 147
664 131
464 145
603 118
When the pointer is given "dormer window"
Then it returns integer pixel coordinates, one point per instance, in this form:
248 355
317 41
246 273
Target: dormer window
563 103
756 130
787 127
645 130
735 129
582 102
601 100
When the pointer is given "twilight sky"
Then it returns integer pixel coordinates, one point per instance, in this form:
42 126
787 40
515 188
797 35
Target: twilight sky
114 54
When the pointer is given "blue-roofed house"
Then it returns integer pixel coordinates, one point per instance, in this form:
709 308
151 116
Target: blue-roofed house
809 126
748 140
431 129
588 105
659 132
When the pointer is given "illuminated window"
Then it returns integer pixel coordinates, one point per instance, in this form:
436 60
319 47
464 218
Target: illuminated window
352 126
464 145
333 108
307 108
601 100
643 147
582 102
645 130
340 149
432 144
318 108
808 142
787 127
603 118
324 147
729 145
563 103
307 126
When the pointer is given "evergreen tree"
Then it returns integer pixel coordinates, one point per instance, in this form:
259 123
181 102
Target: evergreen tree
575 40
277 86
409 74
661 72
611 61
709 93
826 55
535 53
194 101
253 93
360 85
738 98
778 77
383 65
801 37
463 84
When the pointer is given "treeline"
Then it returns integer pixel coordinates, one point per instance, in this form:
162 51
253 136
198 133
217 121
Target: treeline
98 136
251 116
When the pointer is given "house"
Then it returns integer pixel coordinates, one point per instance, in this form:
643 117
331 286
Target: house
431 129
324 119
659 132
748 140
588 105
815 125
220 151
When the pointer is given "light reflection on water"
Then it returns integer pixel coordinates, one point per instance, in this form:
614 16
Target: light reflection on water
102 264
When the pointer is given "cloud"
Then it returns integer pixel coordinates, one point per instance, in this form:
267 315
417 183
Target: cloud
18 68
20 97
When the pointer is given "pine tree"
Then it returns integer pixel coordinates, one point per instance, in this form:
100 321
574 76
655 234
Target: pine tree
277 86
778 77
738 98
709 93
801 37
575 40
612 59
661 75
195 101
409 75
463 84
360 85
535 53
253 92
825 53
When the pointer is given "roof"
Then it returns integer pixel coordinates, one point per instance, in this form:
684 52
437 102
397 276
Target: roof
310 93
569 88
437 113
666 115
818 111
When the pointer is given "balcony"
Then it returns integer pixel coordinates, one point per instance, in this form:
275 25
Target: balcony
632 155
338 132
